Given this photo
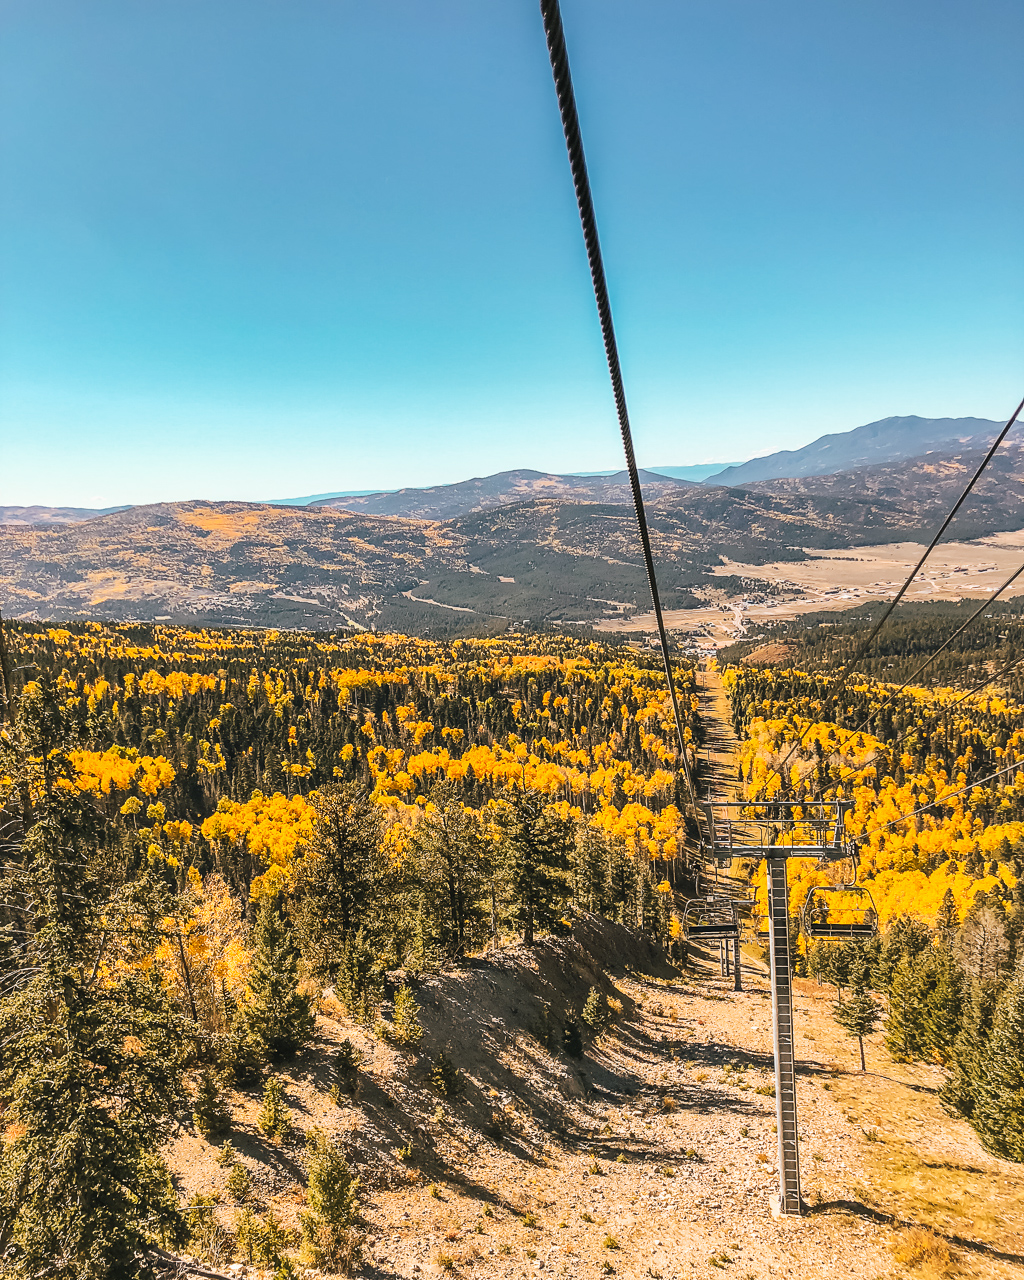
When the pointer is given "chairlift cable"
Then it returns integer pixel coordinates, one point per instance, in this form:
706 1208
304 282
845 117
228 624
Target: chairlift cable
555 35
886 613
946 643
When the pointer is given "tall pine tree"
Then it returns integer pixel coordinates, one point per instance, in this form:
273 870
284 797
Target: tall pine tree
275 1013
91 1065
536 860
451 866
999 1112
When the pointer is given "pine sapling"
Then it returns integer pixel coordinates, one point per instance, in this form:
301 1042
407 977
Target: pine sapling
239 1183
405 1026
332 1194
859 1016
274 1119
345 1071
210 1112
595 1012
445 1078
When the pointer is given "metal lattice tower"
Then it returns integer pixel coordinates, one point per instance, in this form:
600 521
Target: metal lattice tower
782 1021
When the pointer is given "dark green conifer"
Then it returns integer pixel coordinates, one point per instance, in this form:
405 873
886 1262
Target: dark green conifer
859 1016
452 873
343 880
970 1051
90 1075
210 1113
904 1027
999 1113
536 855
274 1012
943 1006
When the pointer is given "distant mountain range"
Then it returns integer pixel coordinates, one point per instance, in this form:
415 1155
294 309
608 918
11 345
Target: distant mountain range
53 515
888 440
549 559
448 501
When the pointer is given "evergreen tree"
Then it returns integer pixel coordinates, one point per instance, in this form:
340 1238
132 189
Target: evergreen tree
999 1114
947 922
904 1027
405 1026
943 1007
333 1198
343 880
592 870
210 1113
859 1016
961 1091
275 1013
274 1118
345 1070
904 937
90 1074
536 854
449 856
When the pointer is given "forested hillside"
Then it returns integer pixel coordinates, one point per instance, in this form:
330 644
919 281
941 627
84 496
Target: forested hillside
205 829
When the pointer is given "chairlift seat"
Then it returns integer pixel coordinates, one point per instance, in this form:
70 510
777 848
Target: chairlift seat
828 929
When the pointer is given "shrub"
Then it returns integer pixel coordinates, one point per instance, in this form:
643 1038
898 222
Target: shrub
594 1013
572 1041
445 1077
405 1025
206 1236
226 1156
333 1198
239 1184
274 1119
210 1112
261 1242
923 1251
345 1070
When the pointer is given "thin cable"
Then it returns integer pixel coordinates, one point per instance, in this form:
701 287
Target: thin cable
1017 764
946 643
555 36
891 746
866 645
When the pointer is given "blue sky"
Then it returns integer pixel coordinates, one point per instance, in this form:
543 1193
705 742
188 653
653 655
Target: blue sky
252 249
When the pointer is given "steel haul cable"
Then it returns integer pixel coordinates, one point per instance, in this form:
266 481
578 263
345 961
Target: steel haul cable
555 35
887 611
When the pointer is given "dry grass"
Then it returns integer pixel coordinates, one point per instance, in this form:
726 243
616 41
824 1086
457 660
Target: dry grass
923 1252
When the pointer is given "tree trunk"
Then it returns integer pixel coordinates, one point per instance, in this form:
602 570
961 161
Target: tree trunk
863 1064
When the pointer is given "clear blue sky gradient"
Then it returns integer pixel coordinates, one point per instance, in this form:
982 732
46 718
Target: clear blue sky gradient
251 249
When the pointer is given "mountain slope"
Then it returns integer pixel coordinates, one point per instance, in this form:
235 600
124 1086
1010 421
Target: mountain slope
53 515
449 501
888 440
547 561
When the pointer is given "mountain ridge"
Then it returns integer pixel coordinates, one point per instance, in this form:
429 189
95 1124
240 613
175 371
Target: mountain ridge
890 439
548 561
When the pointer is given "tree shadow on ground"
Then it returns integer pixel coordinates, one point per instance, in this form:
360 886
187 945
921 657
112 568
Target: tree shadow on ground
861 1210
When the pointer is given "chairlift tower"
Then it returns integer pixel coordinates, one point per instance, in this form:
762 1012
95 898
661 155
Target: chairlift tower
777 831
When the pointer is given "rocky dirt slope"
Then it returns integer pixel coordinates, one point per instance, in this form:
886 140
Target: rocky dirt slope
653 1155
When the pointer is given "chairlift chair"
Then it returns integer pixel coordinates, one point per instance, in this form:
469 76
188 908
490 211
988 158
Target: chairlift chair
703 918
816 919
